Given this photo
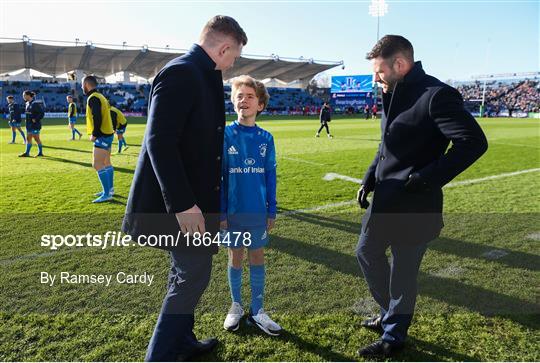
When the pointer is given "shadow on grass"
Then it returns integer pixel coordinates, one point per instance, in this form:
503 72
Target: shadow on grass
89 165
67 149
325 353
448 290
415 350
514 259
418 350
465 249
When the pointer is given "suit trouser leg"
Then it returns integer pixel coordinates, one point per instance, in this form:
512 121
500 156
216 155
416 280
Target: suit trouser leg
320 128
173 334
406 259
371 256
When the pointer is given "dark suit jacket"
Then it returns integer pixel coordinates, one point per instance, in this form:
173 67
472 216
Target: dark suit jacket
420 118
180 160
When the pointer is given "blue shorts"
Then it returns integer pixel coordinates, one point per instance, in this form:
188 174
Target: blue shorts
103 142
250 237
14 123
121 131
72 119
33 131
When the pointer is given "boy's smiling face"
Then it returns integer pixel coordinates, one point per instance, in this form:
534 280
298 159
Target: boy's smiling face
246 103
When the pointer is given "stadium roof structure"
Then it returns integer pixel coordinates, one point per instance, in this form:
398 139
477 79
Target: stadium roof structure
57 59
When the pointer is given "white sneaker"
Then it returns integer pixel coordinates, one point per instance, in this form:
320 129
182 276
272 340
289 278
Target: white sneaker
263 321
317 134
232 321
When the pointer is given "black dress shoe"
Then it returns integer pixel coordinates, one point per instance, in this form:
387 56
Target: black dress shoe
198 349
380 349
373 324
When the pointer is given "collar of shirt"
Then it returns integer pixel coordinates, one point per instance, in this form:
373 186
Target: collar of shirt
245 128
205 61
415 74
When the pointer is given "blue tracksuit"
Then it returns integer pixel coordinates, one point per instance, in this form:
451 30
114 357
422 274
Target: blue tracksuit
34 114
14 113
248 186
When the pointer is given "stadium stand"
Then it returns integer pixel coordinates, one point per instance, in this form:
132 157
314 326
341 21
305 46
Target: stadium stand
133 97
502 98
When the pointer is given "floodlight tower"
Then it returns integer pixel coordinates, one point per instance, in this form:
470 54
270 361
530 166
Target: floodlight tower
377 8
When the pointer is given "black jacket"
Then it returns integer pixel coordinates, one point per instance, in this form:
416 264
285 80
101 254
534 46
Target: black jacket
325 115
420 118
180 160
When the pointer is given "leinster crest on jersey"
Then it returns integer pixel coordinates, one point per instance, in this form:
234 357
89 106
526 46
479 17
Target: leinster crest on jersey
262 150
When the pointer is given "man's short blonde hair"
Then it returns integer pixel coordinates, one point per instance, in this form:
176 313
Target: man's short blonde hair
223 25
260 89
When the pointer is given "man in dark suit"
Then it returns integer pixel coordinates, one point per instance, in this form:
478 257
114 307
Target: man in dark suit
421 117
177 178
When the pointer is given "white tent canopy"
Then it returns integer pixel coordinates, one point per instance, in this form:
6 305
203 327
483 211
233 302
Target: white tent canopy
144 62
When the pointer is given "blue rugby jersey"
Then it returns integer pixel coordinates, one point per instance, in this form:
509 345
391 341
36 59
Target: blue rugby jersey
34 111
248 185
14 112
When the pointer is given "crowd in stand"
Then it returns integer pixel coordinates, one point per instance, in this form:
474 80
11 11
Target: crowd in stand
500 98
522 96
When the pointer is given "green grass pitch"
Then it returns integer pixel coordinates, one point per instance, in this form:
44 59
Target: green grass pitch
478 285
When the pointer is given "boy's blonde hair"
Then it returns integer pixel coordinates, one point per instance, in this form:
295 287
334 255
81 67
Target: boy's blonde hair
258 86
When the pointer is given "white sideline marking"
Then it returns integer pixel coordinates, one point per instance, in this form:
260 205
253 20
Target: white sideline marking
302 161
535 236
450 271
333 176
512 144
365 306
320 207
11 260
492 177
313 209
494 254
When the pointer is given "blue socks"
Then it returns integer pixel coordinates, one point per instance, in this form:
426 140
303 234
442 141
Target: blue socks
257 276
40 148
120 144
14 135
73 132
103 176
235 283
110 175
28 147
106 178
